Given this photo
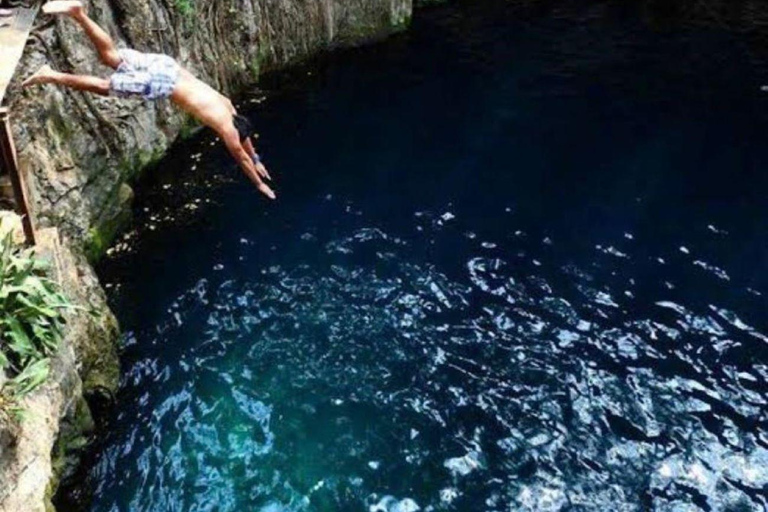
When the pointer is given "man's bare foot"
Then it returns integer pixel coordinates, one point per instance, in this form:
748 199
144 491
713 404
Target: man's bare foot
42 76
71 7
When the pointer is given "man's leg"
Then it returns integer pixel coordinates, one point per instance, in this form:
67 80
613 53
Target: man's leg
100 39
46 75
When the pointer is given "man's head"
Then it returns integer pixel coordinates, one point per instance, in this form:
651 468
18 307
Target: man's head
244 127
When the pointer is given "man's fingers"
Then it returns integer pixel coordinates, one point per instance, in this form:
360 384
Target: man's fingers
267 191
253 175
263 171
263 187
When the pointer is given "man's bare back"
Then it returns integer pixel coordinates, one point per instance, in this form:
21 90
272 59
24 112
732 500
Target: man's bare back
201 100
155 76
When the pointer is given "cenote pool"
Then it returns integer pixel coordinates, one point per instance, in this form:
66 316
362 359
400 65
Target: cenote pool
518 262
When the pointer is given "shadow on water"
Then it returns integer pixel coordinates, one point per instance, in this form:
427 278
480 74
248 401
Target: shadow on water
518 262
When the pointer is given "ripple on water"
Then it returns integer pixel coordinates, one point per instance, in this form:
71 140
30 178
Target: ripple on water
375 379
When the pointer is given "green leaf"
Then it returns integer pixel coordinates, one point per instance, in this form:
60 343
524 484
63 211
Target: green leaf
21 344
31 319
32 376
43 310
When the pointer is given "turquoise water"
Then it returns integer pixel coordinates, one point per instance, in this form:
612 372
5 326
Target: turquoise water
518 262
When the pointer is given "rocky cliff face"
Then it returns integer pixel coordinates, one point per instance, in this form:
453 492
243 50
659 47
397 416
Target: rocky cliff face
37 449
82 151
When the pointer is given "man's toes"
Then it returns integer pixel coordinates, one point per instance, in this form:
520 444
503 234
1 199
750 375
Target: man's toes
32 80
38 76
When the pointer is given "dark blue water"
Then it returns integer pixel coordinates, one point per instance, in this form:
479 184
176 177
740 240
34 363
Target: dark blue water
518 262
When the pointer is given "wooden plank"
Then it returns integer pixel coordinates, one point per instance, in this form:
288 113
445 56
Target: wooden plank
13 39
10 165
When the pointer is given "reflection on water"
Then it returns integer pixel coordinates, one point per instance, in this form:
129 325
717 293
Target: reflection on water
548 298
372 378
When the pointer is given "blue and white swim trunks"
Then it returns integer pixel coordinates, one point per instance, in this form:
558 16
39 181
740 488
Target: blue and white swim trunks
149 75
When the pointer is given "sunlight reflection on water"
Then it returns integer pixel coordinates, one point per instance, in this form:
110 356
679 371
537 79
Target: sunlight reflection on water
529 287
501 385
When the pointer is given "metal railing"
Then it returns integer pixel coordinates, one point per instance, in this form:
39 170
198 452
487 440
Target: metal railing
10 164
14 31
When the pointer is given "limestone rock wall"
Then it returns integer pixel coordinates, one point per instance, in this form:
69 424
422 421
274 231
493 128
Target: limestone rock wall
35 450
82 151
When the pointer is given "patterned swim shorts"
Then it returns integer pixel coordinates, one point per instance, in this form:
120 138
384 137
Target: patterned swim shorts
150 75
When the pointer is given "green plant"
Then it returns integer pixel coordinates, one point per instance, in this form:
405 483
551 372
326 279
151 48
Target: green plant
31 322
185 7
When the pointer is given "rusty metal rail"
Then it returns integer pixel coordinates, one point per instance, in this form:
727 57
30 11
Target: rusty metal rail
10 164
14 32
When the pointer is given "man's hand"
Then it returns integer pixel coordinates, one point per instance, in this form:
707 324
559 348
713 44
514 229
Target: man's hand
248 160
251 168
261 169
264 189
248 146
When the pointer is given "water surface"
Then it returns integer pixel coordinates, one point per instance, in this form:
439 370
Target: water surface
518 262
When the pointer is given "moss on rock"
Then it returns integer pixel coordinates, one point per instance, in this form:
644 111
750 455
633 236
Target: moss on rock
74 435
101 236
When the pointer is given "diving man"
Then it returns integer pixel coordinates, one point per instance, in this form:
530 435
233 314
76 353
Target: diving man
154 76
